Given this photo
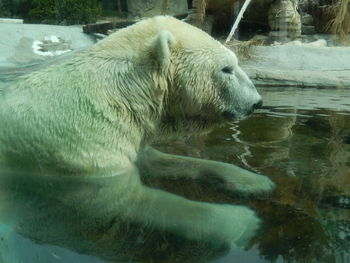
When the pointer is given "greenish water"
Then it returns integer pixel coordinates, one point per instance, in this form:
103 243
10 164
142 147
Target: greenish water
301 140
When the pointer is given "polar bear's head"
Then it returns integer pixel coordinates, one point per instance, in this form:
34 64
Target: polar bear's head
172 74
212 85
206 84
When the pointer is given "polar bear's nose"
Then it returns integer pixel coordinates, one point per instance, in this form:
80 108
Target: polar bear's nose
258 105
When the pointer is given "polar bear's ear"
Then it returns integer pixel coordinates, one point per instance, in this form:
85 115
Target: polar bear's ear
162 45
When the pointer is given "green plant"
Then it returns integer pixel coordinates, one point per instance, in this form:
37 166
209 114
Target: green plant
3 11
44 10
6 8
64 11
77 12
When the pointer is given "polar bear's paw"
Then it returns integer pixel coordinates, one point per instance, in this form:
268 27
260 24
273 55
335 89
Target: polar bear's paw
253 184
232 225
236 180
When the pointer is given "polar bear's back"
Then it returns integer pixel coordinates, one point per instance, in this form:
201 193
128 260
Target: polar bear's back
139 34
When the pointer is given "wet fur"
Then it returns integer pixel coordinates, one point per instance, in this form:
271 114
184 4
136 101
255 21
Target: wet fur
96 114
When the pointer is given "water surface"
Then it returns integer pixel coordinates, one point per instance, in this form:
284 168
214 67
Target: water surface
301 140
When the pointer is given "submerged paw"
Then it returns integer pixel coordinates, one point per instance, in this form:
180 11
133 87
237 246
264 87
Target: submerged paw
246 182
259 184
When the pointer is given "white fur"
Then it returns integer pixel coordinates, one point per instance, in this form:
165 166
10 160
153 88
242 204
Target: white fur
93 115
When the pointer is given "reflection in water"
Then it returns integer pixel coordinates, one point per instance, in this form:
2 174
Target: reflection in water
301 140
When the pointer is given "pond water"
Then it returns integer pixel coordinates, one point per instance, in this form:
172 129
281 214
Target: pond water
300 139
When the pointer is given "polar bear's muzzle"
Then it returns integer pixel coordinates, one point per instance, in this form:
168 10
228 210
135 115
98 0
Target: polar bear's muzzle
257 105
233 116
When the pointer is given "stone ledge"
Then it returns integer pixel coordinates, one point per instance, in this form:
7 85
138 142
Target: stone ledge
300 64
11 20
299 78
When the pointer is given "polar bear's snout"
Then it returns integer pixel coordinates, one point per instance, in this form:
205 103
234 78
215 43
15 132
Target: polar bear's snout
258 105
252 98
242 100
234 115
254 105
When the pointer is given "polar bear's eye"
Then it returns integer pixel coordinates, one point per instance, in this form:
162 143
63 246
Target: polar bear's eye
227 70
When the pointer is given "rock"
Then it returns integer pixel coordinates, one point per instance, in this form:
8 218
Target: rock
11 20
284 20
299 78
300 64
280 36
18 43
193 18
148 8
24 54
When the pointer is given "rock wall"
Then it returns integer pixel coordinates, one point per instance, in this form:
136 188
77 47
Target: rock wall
148 8
284 20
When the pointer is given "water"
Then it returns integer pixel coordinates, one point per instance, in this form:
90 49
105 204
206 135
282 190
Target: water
301 140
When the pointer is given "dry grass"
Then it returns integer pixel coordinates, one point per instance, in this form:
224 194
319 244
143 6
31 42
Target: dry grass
339 19
243 49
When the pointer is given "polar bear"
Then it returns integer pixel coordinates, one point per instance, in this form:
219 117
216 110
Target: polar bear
96 115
